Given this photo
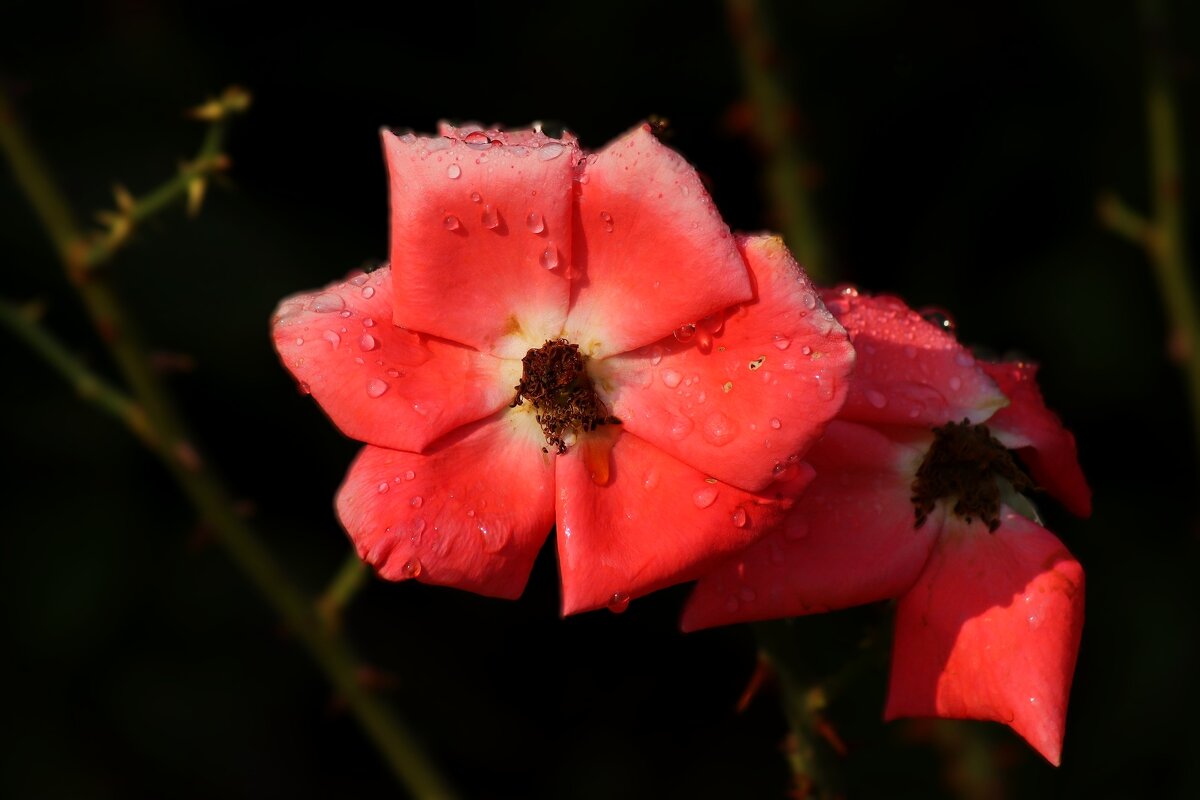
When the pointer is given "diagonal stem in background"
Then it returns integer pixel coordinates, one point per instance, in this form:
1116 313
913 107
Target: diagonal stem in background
167 435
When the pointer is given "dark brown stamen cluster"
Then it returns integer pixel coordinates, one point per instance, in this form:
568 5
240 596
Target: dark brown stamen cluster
555 380
965 462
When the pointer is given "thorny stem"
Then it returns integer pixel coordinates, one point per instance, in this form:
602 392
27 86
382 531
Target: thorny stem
1162 236
169 439
775 130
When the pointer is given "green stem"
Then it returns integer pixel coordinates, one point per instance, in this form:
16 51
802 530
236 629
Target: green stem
788 167
203 488
347 583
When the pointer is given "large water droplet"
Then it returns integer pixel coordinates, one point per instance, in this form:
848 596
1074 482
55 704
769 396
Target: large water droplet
618 602
299 341
333 339
368 323
671 378
781 341
606 220
327 303
550 151
453 171
809 299
412 568
549 257
367 342
684 333
739 517
417 501
408 476
776 424
719 429
534 222
489 217
376 387
680 427
477 140
705 497
451 223
383 487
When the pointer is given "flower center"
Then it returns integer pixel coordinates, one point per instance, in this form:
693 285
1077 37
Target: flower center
967 463
554 378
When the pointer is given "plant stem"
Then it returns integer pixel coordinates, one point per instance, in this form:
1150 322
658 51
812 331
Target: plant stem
774 128
348 581
169 438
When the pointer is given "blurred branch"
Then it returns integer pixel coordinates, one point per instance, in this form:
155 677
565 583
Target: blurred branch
1163 234
348 581
774 119
24 323
171 441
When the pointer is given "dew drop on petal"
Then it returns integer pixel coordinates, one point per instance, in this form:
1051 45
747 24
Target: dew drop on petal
549 258
475 197
810 300
368 292
607 220
684 333
489 217
680 427
738 517
345 314
955 383
477 140
368 323
412 568
417 501
876 398
327 303
299 341
376 387
656 354
705 497
650 479
408 476
450 223
719 429
332 337
776 424
806 350
534 222
453 171
618 602
383 487
671 378
549 152
781 342
367 342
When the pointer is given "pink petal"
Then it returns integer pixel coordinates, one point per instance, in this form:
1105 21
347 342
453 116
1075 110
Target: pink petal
909 372
651 251
1046 447
991 631
655 523
379 383
471 513
749 388
850 539
474 227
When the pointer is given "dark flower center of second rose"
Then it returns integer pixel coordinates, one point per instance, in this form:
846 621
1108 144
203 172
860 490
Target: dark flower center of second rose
969 465
554 378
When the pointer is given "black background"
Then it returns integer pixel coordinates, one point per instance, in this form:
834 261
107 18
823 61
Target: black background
961 150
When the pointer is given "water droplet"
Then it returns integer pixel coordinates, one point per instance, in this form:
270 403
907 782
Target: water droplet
876 398
383 487
782 342
548 152
806 350
705 497
477 140
738 517
299 341
489 217
680 427
938 317
955 383
534 222
607 221
345 314
327 303
714 323
684 333
376 387
719 429
408 476
417 501
809 299
671 378
704 340
549 258
367 342
656 354
368 292
359 279
475 197
650 479
776 424
368 323
450 223
453 171
618 602
412 568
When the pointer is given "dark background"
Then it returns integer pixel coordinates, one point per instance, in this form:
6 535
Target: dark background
961 150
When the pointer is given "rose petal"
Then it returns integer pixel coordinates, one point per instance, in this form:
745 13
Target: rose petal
654 523
379 383
1046 447
470 266
850 539
651 251
991 631
471 513
909 371
748 389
